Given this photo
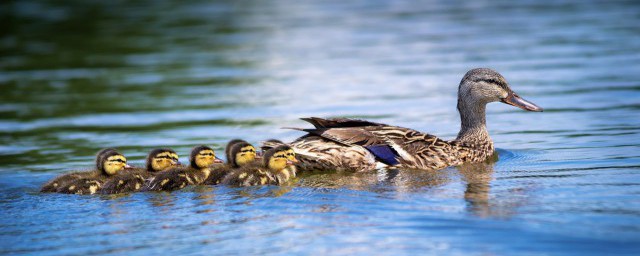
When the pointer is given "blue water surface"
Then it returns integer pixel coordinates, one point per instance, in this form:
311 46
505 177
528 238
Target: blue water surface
78 76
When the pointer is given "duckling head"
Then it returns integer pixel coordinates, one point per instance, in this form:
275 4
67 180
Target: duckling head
111 162
230 144
242 153
101 155
291 156
161 158
203 157
482 85
277 159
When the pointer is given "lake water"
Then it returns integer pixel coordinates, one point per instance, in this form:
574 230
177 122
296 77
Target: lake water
80 76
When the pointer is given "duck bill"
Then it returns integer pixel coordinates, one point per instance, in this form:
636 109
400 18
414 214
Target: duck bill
217 161
514 100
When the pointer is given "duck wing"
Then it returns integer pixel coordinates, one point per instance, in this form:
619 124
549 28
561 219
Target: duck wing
391 145
338 122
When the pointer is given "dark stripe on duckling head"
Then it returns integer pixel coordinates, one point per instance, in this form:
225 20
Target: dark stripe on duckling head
153 154
194 154
105 156
267 155
230 144
233 152
100 156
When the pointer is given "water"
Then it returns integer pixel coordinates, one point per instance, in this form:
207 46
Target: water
80 76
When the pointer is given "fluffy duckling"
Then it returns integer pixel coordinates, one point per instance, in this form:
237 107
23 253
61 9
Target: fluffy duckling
201 159
111 162
134 179
239 153
291 155
63 180
273 172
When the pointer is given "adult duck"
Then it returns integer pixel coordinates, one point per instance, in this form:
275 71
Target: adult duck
357 145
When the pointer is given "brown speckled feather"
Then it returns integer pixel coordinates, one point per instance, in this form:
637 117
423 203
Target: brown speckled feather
129 180
343 148
177 178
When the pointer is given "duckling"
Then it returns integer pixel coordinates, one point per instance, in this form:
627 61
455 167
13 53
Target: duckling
291 155
61 181
134 179
111 163
273 172
201 158
239 153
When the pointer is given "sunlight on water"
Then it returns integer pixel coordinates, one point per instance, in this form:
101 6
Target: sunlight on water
80 76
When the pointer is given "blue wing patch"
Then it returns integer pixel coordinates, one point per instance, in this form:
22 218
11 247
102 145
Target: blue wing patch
384 153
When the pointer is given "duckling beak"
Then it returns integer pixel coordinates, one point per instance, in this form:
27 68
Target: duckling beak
126 166
258 156
217 161
514 99
178 163
292 162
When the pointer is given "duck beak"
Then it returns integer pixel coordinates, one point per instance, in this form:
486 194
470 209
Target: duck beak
178 163
289 162
514 100
126 166
217 161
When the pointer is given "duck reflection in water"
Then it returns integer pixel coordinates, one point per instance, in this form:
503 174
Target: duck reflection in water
476 178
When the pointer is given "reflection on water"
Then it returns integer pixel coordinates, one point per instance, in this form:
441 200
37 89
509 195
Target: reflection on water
78 76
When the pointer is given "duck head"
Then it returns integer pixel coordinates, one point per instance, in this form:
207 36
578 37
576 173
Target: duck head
277 159
110 162
242 153
203 157
161 158
482 85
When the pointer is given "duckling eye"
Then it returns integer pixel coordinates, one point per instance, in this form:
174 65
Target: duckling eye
117 160
207 154
247 151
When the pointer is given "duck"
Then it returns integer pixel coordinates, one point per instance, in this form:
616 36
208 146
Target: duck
134 179
109 162
239 153
344 144
201 159
273 170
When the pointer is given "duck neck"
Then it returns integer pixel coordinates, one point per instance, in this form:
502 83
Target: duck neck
473 123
